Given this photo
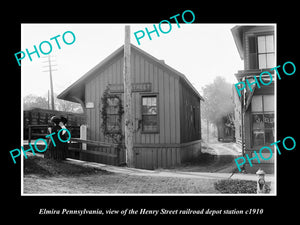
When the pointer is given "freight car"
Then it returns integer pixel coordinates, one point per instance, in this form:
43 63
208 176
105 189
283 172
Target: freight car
38 116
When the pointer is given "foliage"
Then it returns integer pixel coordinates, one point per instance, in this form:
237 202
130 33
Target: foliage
116 134
236 186
34 101
218 100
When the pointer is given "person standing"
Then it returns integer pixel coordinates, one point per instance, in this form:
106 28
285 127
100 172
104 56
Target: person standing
54 145
64 136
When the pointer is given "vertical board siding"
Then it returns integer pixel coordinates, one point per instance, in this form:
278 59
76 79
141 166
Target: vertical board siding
188 132
157 157
172 108
167 113
172 111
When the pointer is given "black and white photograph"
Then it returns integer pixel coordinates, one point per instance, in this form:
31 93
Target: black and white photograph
150 114
144 117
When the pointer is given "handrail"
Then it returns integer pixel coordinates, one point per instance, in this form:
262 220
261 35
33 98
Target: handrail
95 143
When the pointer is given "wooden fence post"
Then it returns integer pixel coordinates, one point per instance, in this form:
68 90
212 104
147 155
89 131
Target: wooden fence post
29 134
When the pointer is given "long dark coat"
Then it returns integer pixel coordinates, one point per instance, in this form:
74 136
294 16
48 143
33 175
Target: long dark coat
56 151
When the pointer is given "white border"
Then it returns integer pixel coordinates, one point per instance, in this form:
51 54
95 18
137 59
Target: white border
257 195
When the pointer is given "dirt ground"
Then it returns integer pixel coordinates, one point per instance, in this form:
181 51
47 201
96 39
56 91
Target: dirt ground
215 157
116 184
42 176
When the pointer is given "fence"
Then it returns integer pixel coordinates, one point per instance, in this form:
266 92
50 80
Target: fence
40 130
96 151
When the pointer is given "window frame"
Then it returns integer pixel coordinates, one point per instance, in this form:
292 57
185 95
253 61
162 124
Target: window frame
157 112
266 52
252 46
116 114
263 113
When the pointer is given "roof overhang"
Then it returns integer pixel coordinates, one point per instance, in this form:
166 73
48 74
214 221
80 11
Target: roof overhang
76 91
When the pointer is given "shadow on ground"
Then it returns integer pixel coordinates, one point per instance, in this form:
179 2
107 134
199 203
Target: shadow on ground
211 161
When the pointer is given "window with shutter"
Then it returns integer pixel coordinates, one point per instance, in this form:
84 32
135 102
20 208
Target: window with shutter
253 64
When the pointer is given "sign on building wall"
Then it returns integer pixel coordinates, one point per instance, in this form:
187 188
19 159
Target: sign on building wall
136 87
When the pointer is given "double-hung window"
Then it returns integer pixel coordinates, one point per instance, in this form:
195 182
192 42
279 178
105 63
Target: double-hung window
113 118
266 52
149 114
261 51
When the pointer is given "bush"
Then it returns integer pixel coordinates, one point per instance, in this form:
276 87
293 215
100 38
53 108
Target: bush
236 186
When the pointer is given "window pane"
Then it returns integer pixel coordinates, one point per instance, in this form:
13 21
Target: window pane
258 133
261 44
262 63
269 103
149 110
112 110
153 101
269 120
152 110
270 60
113 101
112 123
270 43
150 123
149 105
257 121
256 104
269 136
145 101
149 113
258 137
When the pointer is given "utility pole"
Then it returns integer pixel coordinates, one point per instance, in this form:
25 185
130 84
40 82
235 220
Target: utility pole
48 100
128 101
207 131
51 82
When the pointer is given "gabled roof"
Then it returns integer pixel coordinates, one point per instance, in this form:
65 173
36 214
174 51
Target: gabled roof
238 34
76 90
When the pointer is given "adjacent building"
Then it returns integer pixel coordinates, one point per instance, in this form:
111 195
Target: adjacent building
166 107
254 110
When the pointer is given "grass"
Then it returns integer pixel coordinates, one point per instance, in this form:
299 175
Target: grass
44 176
46 167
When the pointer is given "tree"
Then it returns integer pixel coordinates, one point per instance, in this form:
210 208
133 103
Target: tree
33 101
67 106
218 102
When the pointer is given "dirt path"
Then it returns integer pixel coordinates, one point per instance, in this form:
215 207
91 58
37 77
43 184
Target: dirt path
44 176
79 177
216 157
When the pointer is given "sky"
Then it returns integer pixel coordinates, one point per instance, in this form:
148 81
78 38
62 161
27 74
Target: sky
200 51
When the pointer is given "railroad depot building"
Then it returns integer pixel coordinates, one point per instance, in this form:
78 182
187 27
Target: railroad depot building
254 110
166 107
